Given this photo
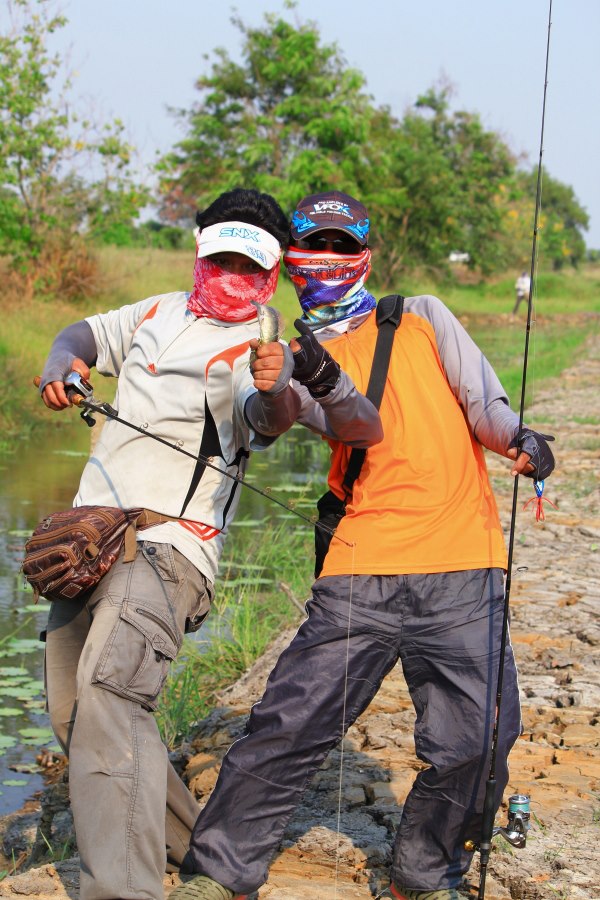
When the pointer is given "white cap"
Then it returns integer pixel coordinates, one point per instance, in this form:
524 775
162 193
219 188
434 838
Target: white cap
239 237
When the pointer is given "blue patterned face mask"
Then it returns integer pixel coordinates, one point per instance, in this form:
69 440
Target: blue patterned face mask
330 286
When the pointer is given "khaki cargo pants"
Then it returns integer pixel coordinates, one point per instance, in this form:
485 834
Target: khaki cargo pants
107 658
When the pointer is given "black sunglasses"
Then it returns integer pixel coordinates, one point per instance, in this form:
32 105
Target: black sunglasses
343 245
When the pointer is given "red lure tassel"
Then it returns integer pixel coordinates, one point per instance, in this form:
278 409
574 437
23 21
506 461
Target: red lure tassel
539 501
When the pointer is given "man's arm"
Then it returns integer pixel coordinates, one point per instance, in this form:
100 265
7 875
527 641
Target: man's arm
102 340
321 397
480 393
273 408
73 349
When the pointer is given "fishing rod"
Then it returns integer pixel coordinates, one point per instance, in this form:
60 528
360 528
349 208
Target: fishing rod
518 809
81 394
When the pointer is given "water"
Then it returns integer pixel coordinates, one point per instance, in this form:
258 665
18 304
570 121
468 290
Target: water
40 477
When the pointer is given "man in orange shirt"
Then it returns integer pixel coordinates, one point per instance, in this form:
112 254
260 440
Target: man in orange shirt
418 575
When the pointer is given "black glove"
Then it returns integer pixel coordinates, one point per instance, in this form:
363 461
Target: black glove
314 367
536 445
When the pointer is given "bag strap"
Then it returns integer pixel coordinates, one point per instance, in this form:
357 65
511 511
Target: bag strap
388 316
145 519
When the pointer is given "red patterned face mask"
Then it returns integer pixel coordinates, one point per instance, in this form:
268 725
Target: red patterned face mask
223 295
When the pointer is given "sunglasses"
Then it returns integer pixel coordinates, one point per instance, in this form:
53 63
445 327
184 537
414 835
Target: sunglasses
344 245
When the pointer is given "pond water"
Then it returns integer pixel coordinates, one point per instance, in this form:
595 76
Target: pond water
40 477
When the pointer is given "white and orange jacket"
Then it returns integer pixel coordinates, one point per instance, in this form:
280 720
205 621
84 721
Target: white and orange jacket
188 380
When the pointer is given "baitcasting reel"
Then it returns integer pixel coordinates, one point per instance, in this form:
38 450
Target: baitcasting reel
77 387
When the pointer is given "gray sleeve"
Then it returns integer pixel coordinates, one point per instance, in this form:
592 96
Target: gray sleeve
76 341
271 413
343 415
470 376
497 427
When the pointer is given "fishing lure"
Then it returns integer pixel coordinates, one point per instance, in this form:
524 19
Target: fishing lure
539 501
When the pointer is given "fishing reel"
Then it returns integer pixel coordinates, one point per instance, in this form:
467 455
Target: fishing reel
517 826
78 389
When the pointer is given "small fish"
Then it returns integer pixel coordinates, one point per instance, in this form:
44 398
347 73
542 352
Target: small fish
270 323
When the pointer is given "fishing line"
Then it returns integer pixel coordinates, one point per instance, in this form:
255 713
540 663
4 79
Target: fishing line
487 827
106 410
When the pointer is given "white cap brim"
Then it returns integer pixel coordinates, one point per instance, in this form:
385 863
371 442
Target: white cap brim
239 237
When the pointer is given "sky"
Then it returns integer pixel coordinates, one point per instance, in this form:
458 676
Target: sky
136 58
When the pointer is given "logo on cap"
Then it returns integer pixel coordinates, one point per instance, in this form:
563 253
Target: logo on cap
332 206
246 233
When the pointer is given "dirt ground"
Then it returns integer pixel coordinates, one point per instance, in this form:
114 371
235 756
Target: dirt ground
555 606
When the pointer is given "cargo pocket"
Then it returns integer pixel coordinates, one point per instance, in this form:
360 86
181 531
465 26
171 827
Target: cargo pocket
135 661
162 559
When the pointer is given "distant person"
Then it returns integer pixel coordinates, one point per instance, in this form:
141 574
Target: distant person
522 285
181 360
418 575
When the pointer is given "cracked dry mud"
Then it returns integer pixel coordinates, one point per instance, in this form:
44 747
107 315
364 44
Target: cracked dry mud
555 605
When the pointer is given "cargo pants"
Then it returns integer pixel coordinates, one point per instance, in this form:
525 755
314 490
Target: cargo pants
445 628
107 658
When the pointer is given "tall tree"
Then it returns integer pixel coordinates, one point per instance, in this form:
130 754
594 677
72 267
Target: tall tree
562 220
288 119
46 196
292 118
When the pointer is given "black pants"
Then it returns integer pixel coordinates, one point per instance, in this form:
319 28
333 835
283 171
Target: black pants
446 630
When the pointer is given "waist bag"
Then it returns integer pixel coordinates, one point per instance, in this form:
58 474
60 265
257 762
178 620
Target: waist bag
70 551
330 507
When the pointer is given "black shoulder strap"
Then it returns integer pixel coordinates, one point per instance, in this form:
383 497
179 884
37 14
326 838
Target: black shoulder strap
388 317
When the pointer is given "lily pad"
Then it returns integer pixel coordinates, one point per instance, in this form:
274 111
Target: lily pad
70 453
35 707
7 711
248 523
15 782
10 671
33 607
6 741
41 734
246 582
23 645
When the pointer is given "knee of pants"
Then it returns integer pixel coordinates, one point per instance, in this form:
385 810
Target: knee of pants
135 659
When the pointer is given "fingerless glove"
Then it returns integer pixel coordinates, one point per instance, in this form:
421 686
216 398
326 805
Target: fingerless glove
536 445
314 367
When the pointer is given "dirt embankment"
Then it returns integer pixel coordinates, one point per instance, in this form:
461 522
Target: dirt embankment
556 634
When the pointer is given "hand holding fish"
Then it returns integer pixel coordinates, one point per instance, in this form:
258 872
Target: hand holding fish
266 363
266 353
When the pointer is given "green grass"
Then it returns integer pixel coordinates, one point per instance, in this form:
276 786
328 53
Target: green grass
249 610
553 347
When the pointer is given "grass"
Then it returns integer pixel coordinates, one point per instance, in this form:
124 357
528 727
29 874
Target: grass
249 610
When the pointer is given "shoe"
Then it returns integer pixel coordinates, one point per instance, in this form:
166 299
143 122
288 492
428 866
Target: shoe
201 887
400 893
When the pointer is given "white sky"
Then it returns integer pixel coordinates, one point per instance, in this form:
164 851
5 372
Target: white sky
135 58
